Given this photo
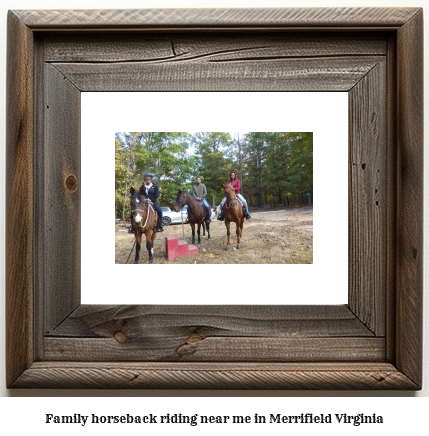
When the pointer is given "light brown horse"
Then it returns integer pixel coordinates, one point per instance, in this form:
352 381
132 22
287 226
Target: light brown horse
144 222
233 212
196 214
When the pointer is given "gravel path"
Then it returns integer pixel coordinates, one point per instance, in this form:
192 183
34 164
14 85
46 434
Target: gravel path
282 212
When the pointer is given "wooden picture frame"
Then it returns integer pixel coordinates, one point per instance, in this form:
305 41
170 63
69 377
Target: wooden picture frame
373 342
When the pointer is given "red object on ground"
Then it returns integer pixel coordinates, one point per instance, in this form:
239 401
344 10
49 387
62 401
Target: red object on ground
175 248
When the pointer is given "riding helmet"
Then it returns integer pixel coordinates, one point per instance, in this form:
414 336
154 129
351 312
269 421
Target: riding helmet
147 174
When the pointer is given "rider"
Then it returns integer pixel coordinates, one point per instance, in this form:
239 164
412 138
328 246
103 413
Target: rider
236 184
199 191
151 191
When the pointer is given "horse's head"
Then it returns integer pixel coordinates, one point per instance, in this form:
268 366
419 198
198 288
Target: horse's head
180 200
230 195
138 205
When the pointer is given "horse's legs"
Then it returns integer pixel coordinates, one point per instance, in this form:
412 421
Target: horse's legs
138 242
149 246
208 230
153 235
204 229
228 232
193 233
199 237
239 232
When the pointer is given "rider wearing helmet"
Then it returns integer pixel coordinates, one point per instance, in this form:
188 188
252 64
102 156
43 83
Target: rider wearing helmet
151 191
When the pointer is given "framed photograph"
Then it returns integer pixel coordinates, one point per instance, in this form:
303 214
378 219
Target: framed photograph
57 340
272 238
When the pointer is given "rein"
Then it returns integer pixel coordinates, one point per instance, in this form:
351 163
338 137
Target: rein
181 204
183 201
235 199
143 211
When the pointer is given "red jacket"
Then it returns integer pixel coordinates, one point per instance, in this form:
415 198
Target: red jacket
236 185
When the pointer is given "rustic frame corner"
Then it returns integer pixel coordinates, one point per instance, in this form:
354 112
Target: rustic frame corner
373 342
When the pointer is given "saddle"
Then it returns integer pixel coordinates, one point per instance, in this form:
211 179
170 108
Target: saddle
200 202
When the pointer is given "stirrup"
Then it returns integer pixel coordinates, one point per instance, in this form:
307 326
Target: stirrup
220 217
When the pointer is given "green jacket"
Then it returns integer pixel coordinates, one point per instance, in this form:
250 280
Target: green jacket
199 190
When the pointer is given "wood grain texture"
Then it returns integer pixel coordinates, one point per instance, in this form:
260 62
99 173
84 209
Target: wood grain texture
368 200
213 333
392 188
330 74
110 375
174 47
99 321
193 348
61 185
19 200
208 18
190 347
409 278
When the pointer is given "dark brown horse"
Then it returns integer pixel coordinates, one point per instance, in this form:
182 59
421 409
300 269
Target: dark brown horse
233 212
144 222
196 214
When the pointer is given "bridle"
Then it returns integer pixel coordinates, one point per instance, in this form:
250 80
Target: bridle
143 211
232 200
182 203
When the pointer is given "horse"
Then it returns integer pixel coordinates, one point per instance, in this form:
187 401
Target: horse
144 222
232 212
196 214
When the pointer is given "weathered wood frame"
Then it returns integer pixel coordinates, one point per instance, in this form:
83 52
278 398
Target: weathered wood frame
374 342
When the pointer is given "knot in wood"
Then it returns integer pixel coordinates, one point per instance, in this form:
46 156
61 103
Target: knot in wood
71 183
120 337
193 337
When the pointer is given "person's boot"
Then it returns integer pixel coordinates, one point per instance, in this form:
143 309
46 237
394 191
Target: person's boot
220 217
159 228
131 230
246 213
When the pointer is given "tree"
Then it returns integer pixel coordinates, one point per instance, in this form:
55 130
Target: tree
238 155
211 147
123 176
160 153
276 166
256 157
272 166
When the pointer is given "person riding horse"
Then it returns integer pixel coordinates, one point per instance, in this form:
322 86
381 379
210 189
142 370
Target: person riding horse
199 191
151 192
236 184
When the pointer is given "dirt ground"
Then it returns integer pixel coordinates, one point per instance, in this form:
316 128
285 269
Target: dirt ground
274 236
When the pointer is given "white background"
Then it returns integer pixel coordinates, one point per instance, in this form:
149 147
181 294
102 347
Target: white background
27 414
323 113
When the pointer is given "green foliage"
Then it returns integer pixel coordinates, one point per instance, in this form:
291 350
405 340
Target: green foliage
215 165
272 166
277 166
